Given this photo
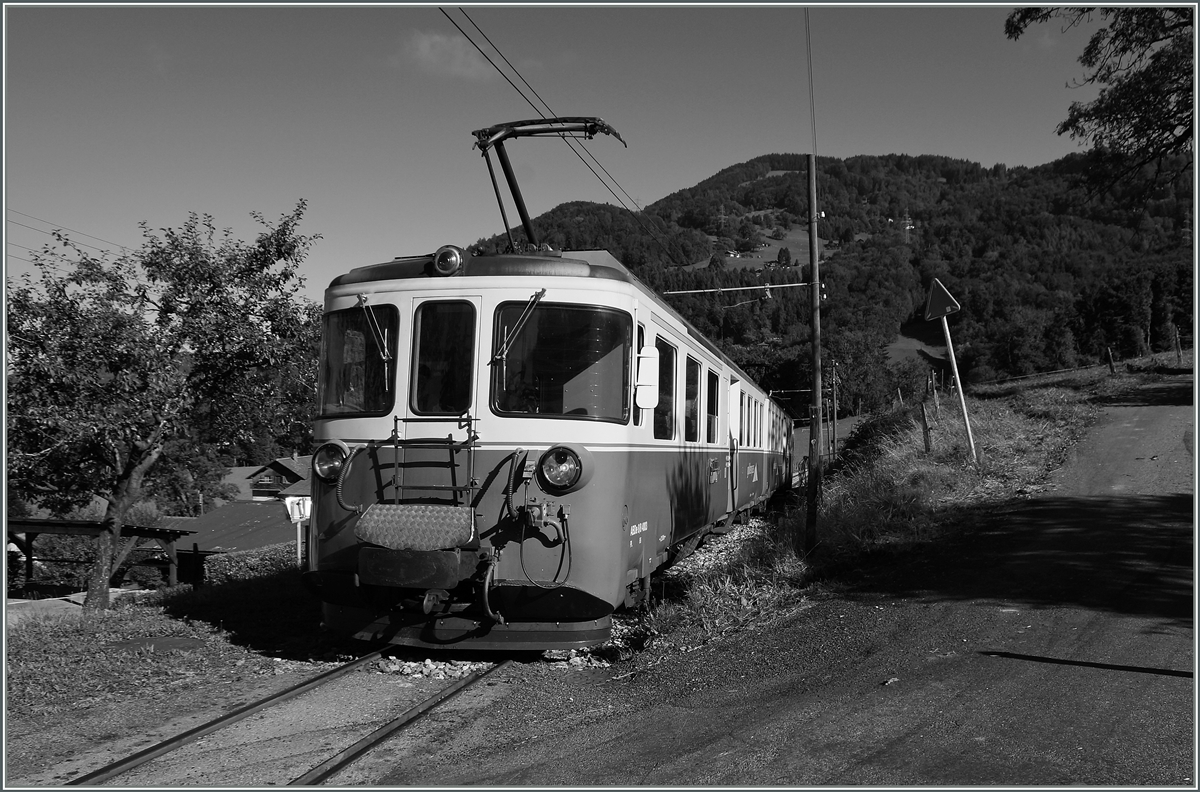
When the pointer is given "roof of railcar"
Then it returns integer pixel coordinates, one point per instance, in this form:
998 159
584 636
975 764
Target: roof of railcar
573 264
562 264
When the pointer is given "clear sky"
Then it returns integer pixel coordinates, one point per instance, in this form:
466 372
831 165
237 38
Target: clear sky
117 115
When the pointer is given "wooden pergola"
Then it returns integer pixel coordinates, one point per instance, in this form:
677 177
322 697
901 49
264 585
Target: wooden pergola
31 528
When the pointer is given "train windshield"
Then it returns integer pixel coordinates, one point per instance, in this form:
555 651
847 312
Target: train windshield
358 356
566 360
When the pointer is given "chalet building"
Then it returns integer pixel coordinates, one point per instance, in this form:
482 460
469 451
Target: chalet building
269 482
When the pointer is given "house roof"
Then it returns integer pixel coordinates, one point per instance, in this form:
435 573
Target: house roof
242 525
302 488
298 467
293 469
240 477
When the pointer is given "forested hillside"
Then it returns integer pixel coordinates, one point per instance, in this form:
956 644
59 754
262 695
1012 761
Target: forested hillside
1047 276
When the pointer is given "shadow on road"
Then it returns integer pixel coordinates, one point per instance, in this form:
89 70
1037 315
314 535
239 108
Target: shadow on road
1169 393
1127 555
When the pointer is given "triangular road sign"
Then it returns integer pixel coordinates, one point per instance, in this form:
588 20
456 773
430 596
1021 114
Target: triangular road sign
940 303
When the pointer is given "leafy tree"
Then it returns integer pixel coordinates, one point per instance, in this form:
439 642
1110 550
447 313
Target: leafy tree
1142 61
114 361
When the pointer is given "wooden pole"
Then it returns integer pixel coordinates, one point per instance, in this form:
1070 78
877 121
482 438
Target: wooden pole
172 563
833 422
814 419
925 428
962 398
29 537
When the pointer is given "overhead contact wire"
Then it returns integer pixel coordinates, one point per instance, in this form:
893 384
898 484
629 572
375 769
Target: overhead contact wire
652 232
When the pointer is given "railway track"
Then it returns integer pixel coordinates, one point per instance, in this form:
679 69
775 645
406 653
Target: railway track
318 773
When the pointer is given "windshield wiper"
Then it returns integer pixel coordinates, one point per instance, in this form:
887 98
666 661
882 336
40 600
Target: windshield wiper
509 338
377 334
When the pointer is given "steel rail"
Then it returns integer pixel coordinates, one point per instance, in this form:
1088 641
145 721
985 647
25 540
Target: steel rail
141 757
349 755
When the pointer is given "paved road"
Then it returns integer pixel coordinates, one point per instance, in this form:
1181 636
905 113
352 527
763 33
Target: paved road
1052 643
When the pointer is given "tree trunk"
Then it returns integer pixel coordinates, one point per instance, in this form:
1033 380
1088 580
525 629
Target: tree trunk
109 552
97 593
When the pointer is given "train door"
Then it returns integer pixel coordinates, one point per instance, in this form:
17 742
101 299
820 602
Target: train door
716 456
733 408
443 391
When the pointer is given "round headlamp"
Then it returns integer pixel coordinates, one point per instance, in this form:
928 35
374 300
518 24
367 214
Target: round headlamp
560 467
447 260
564 468
329 459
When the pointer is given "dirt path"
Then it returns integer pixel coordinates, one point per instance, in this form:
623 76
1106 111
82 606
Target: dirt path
1051 643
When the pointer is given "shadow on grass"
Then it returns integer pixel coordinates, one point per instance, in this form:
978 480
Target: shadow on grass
1128 555
275 613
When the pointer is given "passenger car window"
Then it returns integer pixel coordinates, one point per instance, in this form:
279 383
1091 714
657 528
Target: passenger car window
712 408
664 413
691 401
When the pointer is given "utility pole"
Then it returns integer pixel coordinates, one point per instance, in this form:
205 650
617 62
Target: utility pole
814 419
833 419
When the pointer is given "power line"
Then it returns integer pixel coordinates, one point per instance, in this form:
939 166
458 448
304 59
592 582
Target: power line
55 225
51 233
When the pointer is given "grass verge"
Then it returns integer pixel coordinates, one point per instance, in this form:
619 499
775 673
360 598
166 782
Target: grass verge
887 493
232 631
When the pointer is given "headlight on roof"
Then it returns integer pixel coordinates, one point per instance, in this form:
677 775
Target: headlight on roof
447 260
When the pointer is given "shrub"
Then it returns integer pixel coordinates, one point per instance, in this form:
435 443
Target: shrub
248 564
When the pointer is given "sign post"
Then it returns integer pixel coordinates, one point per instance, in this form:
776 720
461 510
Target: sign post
298 508
939 305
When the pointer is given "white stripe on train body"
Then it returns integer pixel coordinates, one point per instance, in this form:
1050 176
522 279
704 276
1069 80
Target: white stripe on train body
443 531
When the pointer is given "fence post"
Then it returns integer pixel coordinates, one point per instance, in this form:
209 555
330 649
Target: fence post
172 563
199 564
1112 367
925 428
29 537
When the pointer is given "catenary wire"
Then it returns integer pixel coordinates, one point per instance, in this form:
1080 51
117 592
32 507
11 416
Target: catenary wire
652 232
549 109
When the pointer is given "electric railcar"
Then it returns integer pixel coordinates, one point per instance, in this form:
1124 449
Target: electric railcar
511 444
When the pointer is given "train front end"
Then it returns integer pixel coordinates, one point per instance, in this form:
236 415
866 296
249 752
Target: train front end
469 474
